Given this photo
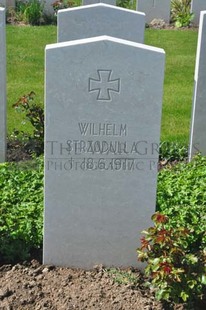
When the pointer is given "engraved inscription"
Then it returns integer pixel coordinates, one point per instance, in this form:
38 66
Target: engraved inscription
102 129
102 164
104 85
102 147
106 148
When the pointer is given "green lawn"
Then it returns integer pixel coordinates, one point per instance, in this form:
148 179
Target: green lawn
180 47
25 67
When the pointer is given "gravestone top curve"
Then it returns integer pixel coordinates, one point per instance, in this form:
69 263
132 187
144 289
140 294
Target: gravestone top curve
90 6
105 38
87 2
100 19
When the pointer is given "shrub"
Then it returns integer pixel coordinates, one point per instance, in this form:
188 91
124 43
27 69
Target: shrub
128 4
30 12
173 151
62 4
35 115
183 185
21 209
175 248
175 264
21 6
16 14
34 12
180 13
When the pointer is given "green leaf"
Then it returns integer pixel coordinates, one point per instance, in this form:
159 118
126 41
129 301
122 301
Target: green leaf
155 261
203 280
184 296
162 294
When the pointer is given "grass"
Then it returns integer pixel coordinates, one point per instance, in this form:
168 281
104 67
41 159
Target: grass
123 277
180 47
25 67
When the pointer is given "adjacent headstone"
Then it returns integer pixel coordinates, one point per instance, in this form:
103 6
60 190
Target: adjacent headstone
100 19
48 8
196 7
103 115
2 3
198 123
7 3
2 86
155 9
86 2
10 3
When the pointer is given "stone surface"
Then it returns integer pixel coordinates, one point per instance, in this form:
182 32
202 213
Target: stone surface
3 3
10 3
196 7
198 123
2 86
103 114
48 8
155 9
86 2
100 19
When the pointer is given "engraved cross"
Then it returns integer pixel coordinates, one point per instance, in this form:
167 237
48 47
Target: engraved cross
104 85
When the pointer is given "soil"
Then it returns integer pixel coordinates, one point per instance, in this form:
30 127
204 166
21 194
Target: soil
160 24
37 287
32 286
16 151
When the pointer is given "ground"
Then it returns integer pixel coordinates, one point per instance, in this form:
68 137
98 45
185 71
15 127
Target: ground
38 287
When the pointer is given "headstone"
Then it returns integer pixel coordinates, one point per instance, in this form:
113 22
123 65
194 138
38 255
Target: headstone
10 3
86 2
2 3
198 123
196 7
100 19
48 8
7 3
103 114
2 86
155 9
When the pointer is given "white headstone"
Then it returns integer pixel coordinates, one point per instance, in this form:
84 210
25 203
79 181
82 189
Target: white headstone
198 123
7 3
103 115
86 2
196 7
100 19
10 3
2 86
2 3
48 8
155 9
